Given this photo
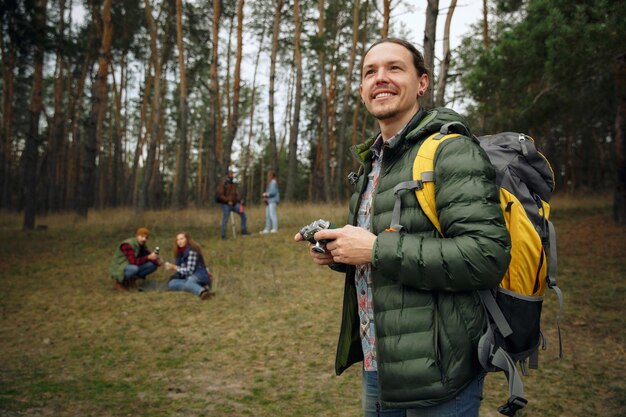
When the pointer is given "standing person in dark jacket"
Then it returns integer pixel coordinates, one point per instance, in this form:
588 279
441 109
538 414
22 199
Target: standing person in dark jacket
133 260
411 313
192 273
229 197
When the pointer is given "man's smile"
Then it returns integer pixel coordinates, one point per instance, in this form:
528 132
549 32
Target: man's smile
383 94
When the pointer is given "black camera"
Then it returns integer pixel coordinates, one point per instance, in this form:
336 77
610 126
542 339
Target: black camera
308 231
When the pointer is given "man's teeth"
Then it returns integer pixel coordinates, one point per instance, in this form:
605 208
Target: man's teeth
383 95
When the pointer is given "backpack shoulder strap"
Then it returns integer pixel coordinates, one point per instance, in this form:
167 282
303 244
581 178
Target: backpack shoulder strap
424 173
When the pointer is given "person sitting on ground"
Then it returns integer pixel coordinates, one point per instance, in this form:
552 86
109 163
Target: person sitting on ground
231 203
191 275
133 260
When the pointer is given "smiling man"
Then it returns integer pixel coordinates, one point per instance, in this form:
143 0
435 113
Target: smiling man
411 314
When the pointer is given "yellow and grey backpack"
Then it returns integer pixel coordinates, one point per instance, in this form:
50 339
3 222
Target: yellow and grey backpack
526 182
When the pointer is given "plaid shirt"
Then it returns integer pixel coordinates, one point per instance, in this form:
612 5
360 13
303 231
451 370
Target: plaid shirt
188 268
142 257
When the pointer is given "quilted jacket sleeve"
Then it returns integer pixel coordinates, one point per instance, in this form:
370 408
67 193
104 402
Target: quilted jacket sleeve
475 251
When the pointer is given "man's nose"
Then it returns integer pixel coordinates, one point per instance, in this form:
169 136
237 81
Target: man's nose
382 75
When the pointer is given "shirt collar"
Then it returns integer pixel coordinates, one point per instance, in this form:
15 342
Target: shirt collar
377 146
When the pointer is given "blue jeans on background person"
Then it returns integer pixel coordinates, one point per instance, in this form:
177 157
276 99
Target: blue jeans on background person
234 208
193 284
139 270
271 217
465 404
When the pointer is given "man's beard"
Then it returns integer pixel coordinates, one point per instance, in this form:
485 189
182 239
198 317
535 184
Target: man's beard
384 114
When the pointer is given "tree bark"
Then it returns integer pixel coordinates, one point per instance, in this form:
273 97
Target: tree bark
75 109
274 53
154 124
347 97
430 36
36 106
132 188
384 31
445 62
357 107
619 206
115 183
233 123
180 193
247 173
292 167
485 25
94 123
54 163
215 139
325 157
6 141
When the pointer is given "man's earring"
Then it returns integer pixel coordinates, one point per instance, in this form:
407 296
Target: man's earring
420 93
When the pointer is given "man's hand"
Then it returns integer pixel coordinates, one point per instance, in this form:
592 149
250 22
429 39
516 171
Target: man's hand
348 245
318 258
152 256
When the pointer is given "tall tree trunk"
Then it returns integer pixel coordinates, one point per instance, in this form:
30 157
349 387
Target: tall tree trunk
94 123
321 54
357 107
215 139
233 115
75 110
292 166
115 192
384 31
619 207
445 62
430 36
6 140
154 124
234 123
54 163
247 172
180 193
36 106
485 25
274 53
347 97
132 187
200 194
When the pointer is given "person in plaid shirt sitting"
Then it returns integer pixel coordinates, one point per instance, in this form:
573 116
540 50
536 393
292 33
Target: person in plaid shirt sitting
133 260
191 275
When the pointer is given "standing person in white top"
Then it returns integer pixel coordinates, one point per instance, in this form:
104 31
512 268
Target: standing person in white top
271 197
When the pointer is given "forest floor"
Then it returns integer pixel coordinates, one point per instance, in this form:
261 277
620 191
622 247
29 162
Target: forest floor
71 345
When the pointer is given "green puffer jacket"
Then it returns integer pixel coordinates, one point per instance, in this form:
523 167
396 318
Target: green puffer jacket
427 315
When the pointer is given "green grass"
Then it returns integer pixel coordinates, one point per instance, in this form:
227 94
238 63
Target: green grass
265 345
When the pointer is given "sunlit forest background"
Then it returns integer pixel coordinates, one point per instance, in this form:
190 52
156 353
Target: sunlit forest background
145 104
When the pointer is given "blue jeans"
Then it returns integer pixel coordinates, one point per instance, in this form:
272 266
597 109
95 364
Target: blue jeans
139 270
271 217
465 404
234 208
192 284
